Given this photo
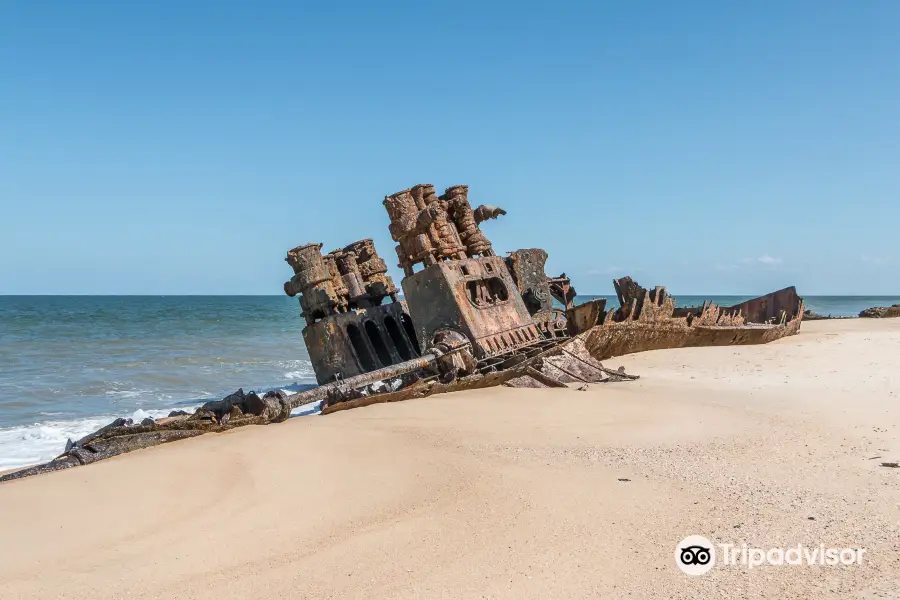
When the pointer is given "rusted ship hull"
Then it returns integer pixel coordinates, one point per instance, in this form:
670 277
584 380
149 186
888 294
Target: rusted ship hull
646 320
627 338
764 309
470 319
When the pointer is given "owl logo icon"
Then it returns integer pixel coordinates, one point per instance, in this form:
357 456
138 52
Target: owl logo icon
695 555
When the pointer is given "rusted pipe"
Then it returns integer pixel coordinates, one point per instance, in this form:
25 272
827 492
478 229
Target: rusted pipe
321 392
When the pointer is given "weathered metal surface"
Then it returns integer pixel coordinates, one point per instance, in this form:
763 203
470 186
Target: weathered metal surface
618 339
349 330
476 296
583 317
345 279
313 279
339 390
538 291
630 294
573 363
431 228
462 286
552 323
463 290
354 342
568 362
645 321
776 307
527 269
544 378
425 388
420 223
561 289
488 374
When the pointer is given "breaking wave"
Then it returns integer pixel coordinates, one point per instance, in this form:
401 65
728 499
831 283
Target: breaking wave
39 442
26 445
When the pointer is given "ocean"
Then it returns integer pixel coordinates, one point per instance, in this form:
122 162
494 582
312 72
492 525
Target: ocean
70 364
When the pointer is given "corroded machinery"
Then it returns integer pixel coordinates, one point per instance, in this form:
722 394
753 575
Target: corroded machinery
469 317
349 330
430 228
354 277
472 318
461 285
538 291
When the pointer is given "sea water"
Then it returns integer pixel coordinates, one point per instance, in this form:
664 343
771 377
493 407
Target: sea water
71 364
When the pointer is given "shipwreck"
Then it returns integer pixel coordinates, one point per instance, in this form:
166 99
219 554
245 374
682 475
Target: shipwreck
468 318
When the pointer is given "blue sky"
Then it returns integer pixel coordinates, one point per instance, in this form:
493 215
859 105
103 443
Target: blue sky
712 147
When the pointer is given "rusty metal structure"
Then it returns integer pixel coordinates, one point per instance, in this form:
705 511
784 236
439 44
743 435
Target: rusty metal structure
648 320
349 330
430 228
777 307
538 291
469 319
462 285
464 313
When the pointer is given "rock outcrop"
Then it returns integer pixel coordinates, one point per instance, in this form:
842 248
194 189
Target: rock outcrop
809 315
881 312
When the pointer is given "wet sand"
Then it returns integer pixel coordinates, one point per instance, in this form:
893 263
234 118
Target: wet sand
503 493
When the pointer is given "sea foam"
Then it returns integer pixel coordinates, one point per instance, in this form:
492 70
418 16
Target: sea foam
40 442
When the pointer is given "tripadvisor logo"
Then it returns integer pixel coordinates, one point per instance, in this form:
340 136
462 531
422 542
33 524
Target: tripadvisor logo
696 555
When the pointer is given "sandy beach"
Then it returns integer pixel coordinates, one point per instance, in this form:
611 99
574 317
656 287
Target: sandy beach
504 493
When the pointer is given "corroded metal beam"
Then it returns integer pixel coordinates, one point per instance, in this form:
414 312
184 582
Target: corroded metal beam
324 391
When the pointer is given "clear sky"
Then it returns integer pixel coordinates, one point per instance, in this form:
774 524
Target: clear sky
714 147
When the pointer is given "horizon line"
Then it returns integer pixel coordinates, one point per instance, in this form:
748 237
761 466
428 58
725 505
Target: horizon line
190 295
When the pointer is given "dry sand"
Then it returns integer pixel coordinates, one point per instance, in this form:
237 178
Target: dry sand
503 493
